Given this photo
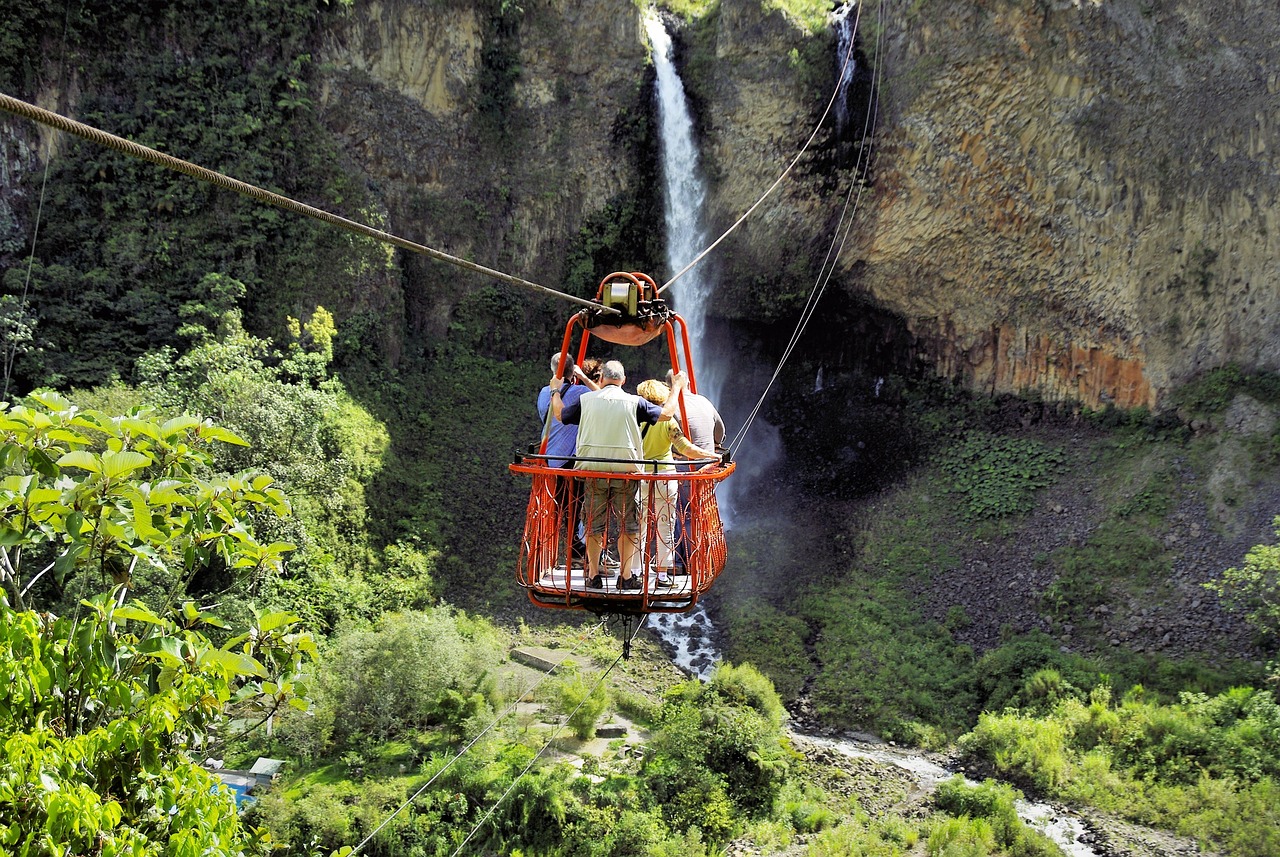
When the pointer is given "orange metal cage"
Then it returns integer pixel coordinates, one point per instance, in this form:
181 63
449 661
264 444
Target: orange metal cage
554 575
548 569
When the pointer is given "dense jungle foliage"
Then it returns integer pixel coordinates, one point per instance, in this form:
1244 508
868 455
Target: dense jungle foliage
264 516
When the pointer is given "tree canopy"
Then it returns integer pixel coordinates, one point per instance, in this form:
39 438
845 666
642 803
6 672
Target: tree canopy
102 707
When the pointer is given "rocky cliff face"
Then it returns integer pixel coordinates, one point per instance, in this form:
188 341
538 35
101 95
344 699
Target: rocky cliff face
492 136
1079 198
1071 198
1075 199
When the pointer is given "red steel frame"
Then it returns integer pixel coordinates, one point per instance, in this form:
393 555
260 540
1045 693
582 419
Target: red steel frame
546 569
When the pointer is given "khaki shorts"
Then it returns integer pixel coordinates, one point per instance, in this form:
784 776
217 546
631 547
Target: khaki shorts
609 499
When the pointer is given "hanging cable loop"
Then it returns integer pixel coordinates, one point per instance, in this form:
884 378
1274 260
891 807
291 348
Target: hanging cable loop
136 150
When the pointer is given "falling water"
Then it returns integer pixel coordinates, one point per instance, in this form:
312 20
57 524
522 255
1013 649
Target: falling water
687 636
844 61
683 198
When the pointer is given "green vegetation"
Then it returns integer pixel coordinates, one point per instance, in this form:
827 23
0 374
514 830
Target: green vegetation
984 821
812 14
1212 393
716 759
182 320
102 705
998 476
1204 766
1254 589
125 247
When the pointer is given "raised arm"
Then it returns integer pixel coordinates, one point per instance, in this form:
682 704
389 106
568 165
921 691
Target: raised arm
678 382
557 397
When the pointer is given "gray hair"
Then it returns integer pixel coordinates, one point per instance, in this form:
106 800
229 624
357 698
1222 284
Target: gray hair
613 371
555 362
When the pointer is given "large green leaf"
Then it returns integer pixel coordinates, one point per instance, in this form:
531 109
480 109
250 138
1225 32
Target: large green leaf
143 427
117 464
168 649
138 613
236 662
82 459
224 435
271 621
178 425
42 463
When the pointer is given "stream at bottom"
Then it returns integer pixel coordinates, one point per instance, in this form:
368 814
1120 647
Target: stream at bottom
689 639
1066 831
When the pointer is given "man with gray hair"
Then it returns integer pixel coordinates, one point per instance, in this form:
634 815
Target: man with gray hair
608 423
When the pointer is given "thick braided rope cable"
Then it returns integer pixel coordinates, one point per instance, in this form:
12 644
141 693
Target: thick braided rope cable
136 150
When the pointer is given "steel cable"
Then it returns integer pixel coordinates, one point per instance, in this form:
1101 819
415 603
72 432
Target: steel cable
145 153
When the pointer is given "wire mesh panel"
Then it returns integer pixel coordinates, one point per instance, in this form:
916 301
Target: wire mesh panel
620 542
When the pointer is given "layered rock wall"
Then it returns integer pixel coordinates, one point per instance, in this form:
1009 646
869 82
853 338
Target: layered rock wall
412 93
1079 198
1072 198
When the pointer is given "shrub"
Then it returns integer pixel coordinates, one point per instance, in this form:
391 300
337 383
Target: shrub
583 701
389 680
998 476
996 804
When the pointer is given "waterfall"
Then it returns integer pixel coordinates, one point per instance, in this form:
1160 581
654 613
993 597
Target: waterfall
845 65
684 194
687 636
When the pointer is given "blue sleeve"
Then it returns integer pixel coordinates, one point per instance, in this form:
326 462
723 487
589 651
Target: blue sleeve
544 403
571 399
648 412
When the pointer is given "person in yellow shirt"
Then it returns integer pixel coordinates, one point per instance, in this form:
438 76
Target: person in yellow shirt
658 439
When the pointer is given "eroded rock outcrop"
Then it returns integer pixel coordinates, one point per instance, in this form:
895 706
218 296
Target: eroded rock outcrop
1079 198
490 136
1070 197
1073 198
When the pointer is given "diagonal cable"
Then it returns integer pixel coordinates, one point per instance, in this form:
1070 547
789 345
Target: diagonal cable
816 128
496 720
545 746
847 217
145 153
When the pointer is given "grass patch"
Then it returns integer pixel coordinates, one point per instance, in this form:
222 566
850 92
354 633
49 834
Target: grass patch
1215 390
882 666
770 640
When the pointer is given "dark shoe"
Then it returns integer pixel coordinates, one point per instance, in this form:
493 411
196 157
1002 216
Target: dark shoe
629 584
665 582
596 582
